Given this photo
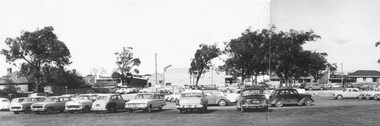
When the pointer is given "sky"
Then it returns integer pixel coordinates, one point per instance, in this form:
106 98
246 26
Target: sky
349 28
94 30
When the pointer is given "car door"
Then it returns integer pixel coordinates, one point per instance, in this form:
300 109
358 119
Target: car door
355 93
60 104
294 97
286 96
211 98
120 102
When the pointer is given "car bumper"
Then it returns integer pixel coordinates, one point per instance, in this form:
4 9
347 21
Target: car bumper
74 108
189 106
254 105
38 109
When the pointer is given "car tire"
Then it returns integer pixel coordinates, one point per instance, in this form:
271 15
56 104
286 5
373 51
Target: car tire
360 97
27 111
222 102
375 98
308 102
148 109
16 112
182 111
339 97
367 97
86 109
279 103
160 108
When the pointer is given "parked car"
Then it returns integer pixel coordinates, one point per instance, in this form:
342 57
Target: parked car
252 98
4 104
216 98
369 94
24 104
347 93
314 87
146 102
376 97
233 96
82 103
108 102
51 104
279 97
192 100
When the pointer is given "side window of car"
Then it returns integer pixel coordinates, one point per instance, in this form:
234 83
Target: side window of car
281 92
59 99
119 97
114 97
66 99
354 90
291 92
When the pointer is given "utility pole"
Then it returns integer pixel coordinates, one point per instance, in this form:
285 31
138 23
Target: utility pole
155 60
342 74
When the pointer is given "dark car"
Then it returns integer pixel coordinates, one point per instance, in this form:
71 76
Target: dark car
251 98
279 97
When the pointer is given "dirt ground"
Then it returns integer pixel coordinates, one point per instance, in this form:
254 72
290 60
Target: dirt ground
325 112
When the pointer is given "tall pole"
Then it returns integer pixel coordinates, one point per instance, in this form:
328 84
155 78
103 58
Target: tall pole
342 73
212 75
155 60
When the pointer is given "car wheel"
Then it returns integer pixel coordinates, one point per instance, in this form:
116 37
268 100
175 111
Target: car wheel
222 103
148 109
182 111
49 110
15 112
27 111
279 103
375 97
86 109
160 108
360 97
308 102
367 97
340 97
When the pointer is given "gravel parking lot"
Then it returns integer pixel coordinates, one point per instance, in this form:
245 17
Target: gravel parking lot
325 111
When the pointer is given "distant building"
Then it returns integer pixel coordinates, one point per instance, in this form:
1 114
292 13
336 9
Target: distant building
365 76
181 77
152 80
14 78
137 81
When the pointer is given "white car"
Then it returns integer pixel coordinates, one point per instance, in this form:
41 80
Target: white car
146 102
4 104
192 100
108 102
82 103
24 104
369 94
347 93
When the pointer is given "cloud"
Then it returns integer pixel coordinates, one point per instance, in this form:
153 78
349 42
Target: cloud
341 41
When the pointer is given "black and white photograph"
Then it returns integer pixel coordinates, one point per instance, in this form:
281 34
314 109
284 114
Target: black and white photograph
189 63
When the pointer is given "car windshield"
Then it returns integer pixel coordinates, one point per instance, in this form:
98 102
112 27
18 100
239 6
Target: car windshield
102 98
4 100
144 96
17 100
35 99
51 99
191 95
82 98
252 92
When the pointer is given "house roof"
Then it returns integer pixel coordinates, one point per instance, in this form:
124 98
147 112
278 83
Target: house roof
365 73
15 78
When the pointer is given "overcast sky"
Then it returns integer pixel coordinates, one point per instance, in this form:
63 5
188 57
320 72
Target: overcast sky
95 30
349 28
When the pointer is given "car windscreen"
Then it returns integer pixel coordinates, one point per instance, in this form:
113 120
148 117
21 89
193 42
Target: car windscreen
51 99
17 100
4 100
252 92
191 95
34 99
82 98
144 96
102 98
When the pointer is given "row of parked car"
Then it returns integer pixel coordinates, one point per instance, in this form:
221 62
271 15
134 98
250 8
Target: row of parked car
247 98
357 93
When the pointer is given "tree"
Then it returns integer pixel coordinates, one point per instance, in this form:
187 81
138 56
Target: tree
201 62
61 77
126 63
33 51
377 44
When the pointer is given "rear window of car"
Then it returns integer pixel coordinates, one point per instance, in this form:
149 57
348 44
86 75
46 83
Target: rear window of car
191 95
102 97
252 92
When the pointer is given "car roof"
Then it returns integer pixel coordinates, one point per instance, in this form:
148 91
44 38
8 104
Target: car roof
106 94
37 97
193 91
253 88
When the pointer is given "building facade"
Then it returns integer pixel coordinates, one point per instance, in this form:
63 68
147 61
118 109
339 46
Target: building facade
365 76
14 78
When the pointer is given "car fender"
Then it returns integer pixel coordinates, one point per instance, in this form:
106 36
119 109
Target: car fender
303 100
217 101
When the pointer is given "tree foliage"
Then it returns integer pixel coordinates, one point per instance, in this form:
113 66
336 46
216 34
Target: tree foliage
126 62
201 62
35 51
260 51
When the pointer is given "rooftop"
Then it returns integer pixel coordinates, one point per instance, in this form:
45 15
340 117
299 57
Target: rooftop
365 73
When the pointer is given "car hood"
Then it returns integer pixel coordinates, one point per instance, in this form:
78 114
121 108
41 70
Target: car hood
140 101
